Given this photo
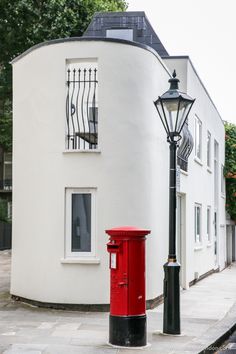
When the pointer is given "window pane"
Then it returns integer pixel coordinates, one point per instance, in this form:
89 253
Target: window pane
81 223
208 224
81 104
197 224
208 149
198 221
222 180
198 138
120 34
93 120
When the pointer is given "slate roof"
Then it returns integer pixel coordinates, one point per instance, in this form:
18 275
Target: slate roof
143 32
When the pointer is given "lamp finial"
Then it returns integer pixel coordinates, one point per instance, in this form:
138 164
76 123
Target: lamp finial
174 82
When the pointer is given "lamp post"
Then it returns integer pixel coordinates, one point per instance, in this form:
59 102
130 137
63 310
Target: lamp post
173 108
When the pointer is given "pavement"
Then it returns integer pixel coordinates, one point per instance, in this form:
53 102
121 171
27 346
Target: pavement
208 310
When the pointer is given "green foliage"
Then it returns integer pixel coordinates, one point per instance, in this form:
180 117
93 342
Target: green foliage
230 168
3 210
6 125
230 148
5 109
24 23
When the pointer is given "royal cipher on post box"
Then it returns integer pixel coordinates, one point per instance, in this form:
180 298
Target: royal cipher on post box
126 249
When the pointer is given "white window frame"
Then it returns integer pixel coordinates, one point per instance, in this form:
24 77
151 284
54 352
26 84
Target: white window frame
197 238
208 228
68 231
198 136
208 149
222 187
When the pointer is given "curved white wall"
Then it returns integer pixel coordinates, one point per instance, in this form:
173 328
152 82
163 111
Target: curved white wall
130 172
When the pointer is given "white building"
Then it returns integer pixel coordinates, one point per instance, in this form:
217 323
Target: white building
90 154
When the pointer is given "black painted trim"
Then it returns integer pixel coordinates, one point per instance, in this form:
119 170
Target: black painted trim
153 303
90 39
203 276
58 306
150 304
119 13
128 331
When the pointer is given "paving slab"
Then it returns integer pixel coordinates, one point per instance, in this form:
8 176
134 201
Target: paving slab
208 310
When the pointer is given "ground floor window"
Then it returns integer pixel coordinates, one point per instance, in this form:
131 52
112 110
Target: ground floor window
209 224
80 222
197 222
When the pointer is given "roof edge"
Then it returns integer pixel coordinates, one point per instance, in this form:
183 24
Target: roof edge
200 80
119 13
91 39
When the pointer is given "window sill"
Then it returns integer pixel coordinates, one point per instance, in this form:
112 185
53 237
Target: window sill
196 159
184 172
82 151
209 244
80 260
198 248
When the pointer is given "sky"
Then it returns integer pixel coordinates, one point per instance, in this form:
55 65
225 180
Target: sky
205 30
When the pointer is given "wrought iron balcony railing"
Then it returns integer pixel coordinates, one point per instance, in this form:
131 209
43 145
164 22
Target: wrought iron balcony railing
81 109
185 148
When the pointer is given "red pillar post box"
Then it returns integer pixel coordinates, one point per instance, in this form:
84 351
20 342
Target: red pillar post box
126 249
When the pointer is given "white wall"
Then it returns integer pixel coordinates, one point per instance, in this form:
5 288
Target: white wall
198 184
130 172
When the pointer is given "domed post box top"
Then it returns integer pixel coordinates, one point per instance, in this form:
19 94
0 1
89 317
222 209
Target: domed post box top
127 231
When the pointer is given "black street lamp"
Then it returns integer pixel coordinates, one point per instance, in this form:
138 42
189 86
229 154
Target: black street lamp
173 108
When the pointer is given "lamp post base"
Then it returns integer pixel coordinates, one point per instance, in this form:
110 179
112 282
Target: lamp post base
171 316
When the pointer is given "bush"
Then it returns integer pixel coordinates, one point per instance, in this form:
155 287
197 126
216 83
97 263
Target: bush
3 211
230 168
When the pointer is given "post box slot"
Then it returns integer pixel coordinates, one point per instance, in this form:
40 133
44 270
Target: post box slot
113 247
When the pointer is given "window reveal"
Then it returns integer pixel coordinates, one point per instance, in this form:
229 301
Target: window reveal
80 222
82 105
198 138
197 223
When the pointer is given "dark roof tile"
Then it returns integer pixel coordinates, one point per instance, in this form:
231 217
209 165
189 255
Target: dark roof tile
136 20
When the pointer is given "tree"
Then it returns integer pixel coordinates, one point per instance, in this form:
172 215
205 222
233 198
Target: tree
24 23
230 168
3 211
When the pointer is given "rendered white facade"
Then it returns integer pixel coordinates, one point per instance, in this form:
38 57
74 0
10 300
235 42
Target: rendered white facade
128 173
198 185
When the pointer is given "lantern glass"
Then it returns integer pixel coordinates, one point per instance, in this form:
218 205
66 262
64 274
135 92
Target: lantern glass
173 108
173 113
